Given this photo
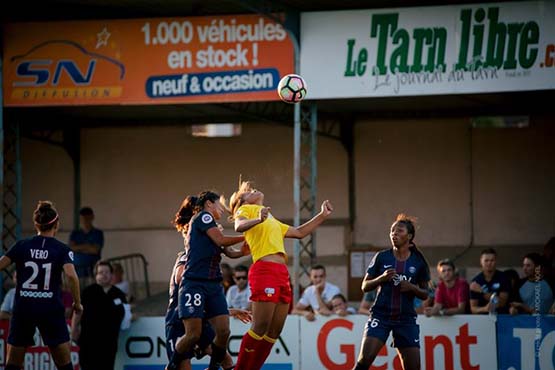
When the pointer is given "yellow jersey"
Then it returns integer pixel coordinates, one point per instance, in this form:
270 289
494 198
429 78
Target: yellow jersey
265 238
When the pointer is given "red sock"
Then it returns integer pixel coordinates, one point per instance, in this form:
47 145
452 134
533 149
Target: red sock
247 352
262 352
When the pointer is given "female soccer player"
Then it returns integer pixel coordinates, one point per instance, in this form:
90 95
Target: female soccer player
400 274
268 277
201 294
39 262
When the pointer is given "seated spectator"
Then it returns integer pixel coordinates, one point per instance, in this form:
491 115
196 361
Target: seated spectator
6 309
340 307
317 297
227 276
118 280
514 284
452 292
533 284
421 305
488 282
367 302
238 295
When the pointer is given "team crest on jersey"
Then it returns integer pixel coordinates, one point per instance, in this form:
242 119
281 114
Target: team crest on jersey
412 269
70 254
206 218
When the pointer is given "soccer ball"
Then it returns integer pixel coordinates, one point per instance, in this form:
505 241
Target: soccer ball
292 88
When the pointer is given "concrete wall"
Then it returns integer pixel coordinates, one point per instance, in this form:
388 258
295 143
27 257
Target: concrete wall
135 179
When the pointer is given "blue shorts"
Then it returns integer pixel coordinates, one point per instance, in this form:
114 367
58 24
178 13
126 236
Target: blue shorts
201 299
177 330
50 322
405 334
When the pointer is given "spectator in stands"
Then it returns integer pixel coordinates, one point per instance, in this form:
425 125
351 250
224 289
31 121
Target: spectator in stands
6 309
227 276
366 303
97 329
87 243
421 305
119 281
340 307
316 298
487 283
238 295
514 284
452 292
535 294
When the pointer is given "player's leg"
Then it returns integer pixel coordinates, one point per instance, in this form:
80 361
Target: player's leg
16 356
272 334
53 330
62 356
375 335
406 338
185 344
218 315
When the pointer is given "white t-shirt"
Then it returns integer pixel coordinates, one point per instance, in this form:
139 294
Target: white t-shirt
123 286
7 305
238 299
310 299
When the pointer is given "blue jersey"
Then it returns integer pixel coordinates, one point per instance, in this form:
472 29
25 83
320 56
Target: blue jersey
39 262
390 303
203 255
172 314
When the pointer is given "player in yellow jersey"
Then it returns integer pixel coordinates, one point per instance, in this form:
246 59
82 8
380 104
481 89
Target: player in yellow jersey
268 276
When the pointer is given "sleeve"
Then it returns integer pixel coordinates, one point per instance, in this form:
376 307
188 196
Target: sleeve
228 298
205 222
464 292
66 256
284 228
244 212
304 298
13 252
334 291
424 275
475 295
439 296
7 305
100 239
373 267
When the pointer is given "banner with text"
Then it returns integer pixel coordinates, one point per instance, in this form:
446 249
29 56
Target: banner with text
429 50
145 61
526 342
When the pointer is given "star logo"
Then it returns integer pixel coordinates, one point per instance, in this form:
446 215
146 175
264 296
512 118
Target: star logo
102 38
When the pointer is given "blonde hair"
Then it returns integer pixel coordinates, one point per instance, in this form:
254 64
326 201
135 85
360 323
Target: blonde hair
236 200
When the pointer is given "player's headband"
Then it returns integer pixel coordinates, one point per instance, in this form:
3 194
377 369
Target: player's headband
49 222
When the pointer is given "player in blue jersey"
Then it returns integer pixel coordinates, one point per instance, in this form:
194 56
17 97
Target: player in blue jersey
39 262
400 274
201 295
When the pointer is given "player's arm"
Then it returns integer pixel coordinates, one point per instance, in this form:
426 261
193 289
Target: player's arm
231 252
5 261
73 282
370 283
475 308
308 227
243 224
218 238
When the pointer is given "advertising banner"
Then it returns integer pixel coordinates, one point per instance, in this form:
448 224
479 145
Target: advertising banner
446 343
461 49
526 342
143 346
145 61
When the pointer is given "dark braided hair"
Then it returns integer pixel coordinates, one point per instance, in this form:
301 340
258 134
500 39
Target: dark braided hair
185 213
45 216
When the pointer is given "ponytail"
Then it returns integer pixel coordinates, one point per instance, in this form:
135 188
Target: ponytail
187 210
409 223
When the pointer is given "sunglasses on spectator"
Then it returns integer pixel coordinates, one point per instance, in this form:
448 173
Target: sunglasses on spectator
240 277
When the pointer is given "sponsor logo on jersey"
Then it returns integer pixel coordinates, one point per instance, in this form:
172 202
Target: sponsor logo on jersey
400 277
269 291
30 294
206 218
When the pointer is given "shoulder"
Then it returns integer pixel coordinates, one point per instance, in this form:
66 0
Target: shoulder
247 210
203 218
117 291
478 278
331 286
461 281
